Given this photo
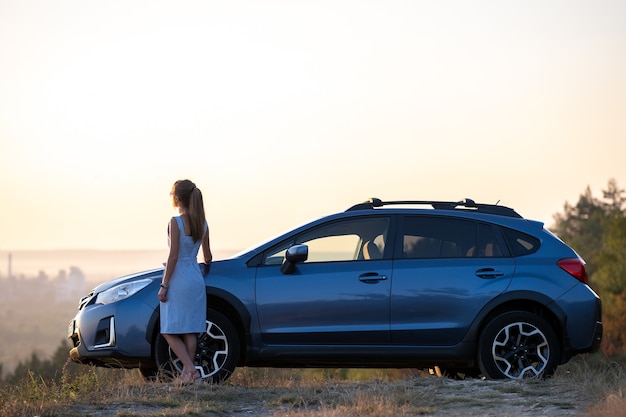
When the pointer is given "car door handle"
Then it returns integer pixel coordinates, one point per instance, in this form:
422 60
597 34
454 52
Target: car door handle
371 277
488 273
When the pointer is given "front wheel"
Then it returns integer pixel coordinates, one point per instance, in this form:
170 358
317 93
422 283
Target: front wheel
518 345
217 353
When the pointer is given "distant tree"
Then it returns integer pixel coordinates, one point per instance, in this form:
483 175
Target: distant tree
583 225
22 369
616 197
610 281
48 369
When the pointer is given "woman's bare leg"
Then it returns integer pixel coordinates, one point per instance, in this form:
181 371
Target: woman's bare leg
178 345
191 343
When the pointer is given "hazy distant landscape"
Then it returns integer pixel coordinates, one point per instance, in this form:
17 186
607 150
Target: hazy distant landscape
33 318
97 265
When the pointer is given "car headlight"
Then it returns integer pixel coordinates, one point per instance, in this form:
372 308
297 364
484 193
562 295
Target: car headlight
122 291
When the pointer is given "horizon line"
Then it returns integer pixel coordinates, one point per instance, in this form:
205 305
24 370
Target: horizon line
103 249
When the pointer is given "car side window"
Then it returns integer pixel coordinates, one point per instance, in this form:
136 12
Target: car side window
520 243
343 240
487 245
439 237
332 248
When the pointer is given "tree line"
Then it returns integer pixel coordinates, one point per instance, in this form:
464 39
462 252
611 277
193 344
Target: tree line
51 369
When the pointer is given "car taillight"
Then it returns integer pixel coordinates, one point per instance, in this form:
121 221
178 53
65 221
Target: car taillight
575 267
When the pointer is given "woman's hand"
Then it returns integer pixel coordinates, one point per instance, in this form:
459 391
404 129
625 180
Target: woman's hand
163 294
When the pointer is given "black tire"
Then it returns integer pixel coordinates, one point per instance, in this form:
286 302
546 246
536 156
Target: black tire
217 354
518 345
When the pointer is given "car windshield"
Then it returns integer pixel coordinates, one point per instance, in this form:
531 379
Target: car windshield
253 247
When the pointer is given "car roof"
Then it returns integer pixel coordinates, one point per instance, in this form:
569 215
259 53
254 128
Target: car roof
465 205
467 208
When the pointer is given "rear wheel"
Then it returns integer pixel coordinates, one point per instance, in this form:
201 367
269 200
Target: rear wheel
518 345
217 354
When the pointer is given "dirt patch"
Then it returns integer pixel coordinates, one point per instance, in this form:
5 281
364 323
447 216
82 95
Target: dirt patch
415 396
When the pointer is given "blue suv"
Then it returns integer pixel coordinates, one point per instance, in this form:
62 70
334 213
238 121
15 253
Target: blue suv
467 287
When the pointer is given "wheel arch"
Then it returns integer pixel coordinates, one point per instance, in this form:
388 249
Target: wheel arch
236 312
529 301
218 300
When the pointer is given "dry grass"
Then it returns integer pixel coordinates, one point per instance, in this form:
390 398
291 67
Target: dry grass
586 387
603 381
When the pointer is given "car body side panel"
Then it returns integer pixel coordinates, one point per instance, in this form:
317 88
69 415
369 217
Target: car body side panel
230 290
434 301
324 303
233 281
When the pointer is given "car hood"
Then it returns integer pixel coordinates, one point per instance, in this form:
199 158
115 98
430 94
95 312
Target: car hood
153 273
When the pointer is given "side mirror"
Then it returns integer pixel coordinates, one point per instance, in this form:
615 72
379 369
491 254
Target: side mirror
294 255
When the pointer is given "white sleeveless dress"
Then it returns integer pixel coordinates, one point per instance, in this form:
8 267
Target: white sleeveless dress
185 308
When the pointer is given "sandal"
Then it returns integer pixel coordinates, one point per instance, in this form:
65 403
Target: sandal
188 378
197 377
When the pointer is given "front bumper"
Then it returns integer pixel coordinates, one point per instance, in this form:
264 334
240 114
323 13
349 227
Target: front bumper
116 334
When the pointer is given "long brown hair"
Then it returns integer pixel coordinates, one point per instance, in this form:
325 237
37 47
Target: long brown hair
190 197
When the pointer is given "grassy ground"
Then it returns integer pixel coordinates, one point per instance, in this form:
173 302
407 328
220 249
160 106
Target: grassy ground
585 387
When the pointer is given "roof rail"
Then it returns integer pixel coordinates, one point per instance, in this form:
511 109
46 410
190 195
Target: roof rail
467 203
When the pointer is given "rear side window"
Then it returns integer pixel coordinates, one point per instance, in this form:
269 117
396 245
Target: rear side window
520 243
434 237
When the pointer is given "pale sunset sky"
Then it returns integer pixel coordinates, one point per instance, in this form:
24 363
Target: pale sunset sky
284 111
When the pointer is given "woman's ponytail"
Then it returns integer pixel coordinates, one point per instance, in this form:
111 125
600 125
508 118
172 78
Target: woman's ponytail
190 197
197 218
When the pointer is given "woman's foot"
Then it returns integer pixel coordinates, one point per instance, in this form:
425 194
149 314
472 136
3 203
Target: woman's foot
195 376
187 378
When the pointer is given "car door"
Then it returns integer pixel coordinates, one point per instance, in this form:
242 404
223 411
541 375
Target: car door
339 295
445 271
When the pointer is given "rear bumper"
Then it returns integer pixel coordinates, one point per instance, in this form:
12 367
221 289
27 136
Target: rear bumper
584 323
597 339
598 329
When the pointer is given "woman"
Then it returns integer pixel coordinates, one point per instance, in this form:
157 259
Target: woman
182 294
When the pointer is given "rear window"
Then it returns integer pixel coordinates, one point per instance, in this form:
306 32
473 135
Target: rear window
520 243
